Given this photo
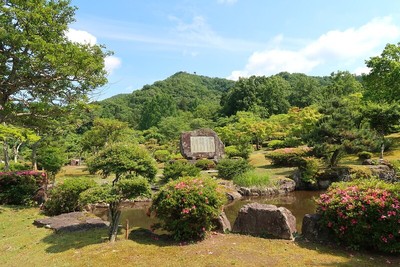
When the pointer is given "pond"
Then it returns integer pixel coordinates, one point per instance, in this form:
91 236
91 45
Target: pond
298 202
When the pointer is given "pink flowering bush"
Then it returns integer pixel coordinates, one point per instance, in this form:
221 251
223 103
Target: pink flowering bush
364 213
188 206
20 187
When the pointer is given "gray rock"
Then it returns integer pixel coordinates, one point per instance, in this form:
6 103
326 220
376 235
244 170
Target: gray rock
313 231
223 224
233 195
262 219
201 143
71 222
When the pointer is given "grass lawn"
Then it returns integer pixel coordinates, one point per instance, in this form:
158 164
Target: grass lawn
23 244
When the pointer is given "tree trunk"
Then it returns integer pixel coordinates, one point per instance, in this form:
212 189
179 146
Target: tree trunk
382 148
6 157
16 151
34 156
334 158
115 214
257 143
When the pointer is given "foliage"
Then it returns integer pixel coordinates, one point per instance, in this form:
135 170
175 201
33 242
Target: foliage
162 155
205 164
363 214
156 108
229 168
114 195
289 156
123 158
364 155
252 179
51 159
34 52
104 132
309 168
339 130
64 198
17 166
188 92
188 206
232 151
265 94
180 168
276 144
19 188
382 82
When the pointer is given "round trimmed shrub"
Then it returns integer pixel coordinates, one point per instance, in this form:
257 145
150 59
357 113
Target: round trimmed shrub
64 198
179 168
363 155
275 144
363 214
309 168
229 168
187 207
205 164
162 155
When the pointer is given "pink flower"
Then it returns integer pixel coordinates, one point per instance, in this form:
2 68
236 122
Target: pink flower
329 224
353 221
384 239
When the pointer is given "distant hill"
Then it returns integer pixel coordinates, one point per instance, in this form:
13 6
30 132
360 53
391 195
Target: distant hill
182 91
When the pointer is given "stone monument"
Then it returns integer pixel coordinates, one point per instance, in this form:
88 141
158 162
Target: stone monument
201 143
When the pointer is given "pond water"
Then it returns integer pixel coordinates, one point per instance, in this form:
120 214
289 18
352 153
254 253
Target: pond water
298 202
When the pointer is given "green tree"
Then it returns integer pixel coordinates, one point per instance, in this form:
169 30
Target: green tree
104 132
383 83
51 159
38 64
156 108
122 159
257 93
383 117
114 195
338 130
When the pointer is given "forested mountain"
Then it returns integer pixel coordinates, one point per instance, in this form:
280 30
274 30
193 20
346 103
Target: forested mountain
180 92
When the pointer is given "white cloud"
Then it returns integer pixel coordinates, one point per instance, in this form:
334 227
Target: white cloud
361 70
348 46
111 63
79 36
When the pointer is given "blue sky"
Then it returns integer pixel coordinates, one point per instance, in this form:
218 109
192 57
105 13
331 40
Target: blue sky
154 39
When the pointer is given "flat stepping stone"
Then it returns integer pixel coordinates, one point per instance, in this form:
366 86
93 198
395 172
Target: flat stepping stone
71 222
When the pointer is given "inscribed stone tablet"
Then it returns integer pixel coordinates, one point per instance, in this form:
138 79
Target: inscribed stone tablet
202 144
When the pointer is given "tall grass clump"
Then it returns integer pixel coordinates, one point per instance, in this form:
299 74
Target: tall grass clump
252 179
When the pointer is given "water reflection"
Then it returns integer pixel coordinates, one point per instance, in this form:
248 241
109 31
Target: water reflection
298 202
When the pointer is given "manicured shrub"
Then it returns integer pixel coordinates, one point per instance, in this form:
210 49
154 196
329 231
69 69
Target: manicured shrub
309 168
205 164
64 198
162 155
187 207
363 214
229 168
275 144
252 179
363 155
20 187
51 159
179 168
288 157
232 151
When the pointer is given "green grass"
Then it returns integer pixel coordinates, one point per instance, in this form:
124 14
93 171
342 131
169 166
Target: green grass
252 179
22 243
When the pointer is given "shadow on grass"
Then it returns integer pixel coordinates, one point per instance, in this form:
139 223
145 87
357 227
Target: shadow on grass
64 241
147 237
355 258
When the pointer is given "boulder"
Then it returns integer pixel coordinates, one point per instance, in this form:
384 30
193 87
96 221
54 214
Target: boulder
312 230
71 222
223 224
262 219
